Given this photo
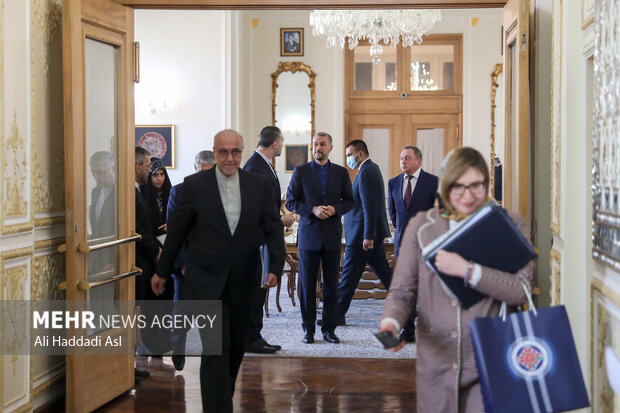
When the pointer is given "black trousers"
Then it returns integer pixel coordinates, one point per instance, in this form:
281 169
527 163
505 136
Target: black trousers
219 373
256 318
309 262
355 260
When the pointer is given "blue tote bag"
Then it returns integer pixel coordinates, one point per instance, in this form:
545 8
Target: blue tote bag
527 362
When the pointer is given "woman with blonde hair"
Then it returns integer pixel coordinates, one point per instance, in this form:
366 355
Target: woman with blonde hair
446 375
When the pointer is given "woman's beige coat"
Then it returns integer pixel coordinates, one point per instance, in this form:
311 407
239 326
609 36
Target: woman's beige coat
446 376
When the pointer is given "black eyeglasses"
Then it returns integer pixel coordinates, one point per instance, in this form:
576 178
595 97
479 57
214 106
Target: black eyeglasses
477 188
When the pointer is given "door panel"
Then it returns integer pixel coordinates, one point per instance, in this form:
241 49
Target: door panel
435 135
517 175
98 118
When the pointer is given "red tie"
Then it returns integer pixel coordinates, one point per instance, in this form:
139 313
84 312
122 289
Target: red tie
408 192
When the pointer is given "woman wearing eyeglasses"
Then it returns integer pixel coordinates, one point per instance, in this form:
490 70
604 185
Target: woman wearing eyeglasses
446 375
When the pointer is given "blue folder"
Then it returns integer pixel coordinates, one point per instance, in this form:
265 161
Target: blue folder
487 237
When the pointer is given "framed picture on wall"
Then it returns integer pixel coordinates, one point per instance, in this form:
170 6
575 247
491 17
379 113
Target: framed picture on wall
295 155
158 140
291 42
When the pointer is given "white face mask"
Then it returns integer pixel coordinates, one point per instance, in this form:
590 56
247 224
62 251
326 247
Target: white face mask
351 161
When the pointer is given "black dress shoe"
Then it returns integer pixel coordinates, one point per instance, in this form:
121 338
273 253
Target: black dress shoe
407 336
137 380
142 373
277 347
308 338
178 361
331 337
257 347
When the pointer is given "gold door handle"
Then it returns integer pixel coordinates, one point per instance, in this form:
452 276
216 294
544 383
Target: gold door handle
87 248
85 285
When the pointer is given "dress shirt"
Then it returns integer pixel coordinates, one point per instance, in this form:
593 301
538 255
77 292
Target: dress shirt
415 175
137 186
322 176
230 192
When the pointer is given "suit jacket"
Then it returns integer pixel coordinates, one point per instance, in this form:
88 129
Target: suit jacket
439 339
103 225
257 164
148 247
367 219
422 199
304 193
215 257
176 192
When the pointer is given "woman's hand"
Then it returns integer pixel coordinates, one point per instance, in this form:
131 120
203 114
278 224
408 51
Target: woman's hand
451 263
390 327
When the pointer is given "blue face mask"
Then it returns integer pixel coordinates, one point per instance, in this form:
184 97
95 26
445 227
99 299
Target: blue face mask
351 161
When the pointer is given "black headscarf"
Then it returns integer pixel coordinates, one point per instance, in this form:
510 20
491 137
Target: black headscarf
157 198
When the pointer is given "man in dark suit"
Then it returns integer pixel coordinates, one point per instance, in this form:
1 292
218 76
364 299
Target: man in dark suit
320 192
291 46
365 227
270 145
225 210
204 160
409 193
148 248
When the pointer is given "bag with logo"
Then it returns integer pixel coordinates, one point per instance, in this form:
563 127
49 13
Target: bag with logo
527 361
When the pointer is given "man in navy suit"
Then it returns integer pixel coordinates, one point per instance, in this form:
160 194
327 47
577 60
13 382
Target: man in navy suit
320 192
270 145
204 160
409 193
365 227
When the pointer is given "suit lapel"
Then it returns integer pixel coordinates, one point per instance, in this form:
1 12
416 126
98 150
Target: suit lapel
419 183
399 192
317 186
244 188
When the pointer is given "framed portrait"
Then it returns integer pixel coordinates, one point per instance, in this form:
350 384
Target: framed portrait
291 42
158 140
295 155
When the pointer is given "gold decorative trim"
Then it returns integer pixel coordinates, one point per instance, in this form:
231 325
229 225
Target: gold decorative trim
587 16
49 272
48 195
293 67
555 277
598 332
13 202
46 16
494 85
48 222
47 384
48 243
18 253
556 112
1 159
24 408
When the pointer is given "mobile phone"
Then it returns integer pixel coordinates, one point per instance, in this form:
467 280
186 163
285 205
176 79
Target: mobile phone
387 339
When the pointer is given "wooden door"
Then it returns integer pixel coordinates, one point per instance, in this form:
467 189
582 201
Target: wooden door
518 163
98 74
435 135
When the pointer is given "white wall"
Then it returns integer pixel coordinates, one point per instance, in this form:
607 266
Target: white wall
182 61
261 59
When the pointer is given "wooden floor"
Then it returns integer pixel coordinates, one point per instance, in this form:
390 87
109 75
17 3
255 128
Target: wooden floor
280 385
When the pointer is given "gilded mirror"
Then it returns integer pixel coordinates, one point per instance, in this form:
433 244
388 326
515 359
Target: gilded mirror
497 134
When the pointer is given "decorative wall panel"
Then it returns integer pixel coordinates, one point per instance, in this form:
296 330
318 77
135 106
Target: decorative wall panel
606 141
556 117
555 261
605 343
16 267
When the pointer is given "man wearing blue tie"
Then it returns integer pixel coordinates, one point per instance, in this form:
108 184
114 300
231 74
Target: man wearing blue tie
409 193
320 192
365 227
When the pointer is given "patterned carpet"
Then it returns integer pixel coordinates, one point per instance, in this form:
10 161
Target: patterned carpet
356 337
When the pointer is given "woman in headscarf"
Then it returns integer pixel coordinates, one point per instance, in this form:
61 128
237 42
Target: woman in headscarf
157 191
446 375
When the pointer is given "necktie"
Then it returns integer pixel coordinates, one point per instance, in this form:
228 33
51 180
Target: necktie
408 192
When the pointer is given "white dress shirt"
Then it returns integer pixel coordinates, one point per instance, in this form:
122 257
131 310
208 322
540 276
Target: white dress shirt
230 192
415 175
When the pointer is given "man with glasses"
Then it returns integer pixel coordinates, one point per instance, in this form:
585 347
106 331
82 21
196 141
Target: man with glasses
225 210
409 193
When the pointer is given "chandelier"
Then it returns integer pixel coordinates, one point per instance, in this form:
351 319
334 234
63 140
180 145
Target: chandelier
374 25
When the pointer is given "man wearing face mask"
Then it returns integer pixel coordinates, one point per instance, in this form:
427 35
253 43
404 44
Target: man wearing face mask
320 192
365 227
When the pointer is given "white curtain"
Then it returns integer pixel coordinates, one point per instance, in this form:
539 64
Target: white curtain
430 142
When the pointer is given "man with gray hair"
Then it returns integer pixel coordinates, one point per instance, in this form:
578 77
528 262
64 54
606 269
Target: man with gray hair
224 210
204 160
